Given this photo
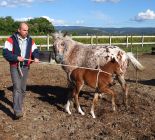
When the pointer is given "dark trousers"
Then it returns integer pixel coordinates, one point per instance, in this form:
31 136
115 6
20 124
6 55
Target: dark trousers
19 87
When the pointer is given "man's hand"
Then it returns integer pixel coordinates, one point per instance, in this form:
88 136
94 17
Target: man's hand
20 59
36 60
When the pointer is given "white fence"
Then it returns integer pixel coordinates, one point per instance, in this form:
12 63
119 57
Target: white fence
126 43
38 45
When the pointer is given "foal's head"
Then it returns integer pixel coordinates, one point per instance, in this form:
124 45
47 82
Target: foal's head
113 67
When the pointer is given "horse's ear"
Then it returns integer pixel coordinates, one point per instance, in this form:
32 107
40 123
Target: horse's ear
65 34
53 35
113 59
57 35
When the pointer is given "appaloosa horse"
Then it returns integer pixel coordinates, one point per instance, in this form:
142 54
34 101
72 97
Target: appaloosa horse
101 79
70 52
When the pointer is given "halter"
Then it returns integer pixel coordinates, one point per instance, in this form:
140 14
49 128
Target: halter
61 56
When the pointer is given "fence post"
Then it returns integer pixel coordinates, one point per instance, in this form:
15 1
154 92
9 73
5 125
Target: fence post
127 41
136 69
96 40
142 40
110 40
91 40
48 40
131 43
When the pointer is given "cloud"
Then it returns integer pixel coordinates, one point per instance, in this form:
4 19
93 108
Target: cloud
24 19
55 22
147 15
3 3
101 1
79 22
15 3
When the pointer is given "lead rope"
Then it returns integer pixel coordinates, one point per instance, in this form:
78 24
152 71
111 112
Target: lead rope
97 77
19 69
68 66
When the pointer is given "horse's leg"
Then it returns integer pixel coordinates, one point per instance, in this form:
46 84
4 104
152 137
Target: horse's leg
69 101
67 106
95 100
113 94
124 86
79 86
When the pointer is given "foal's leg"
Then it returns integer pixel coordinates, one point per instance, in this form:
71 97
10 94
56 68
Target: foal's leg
69 101
67 106
113 94
124 86
76 92
95 100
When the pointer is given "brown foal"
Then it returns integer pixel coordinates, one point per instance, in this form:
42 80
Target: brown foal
98 79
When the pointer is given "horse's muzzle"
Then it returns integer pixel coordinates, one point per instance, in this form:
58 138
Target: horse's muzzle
59 58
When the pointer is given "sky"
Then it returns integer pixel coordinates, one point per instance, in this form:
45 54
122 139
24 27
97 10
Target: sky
90 13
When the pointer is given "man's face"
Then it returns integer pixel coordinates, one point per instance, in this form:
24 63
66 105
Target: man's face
23 30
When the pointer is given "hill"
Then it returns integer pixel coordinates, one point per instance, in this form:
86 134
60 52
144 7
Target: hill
81 30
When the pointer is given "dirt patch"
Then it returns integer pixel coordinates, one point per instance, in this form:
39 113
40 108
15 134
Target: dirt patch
45 118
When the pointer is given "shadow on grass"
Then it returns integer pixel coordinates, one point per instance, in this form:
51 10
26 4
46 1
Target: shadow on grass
150 82
54 95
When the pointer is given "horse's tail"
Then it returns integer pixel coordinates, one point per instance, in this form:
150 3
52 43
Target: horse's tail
134 61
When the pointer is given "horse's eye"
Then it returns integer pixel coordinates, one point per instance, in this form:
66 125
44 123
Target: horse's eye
63 44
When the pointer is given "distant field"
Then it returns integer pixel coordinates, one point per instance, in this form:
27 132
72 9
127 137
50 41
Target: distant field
133 48
115 40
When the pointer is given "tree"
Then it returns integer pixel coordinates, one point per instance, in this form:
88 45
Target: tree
38 26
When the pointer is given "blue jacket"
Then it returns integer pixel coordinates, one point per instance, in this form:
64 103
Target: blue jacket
12 50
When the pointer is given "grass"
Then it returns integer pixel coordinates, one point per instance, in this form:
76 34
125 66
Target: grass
133 48
138 48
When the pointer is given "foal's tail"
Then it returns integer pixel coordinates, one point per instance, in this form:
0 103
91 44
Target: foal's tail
134 61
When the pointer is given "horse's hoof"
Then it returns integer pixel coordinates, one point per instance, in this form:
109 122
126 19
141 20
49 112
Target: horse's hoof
68 111
114 109
93 115
82 113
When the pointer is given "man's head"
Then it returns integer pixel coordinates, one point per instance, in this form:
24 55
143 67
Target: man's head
23 29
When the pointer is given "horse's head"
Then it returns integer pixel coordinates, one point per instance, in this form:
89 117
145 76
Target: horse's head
116 67
113 67
60 45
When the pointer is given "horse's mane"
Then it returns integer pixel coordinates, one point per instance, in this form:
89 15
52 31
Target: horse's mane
57 35
66 38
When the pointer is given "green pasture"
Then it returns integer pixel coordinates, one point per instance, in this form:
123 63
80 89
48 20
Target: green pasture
133 48
114 40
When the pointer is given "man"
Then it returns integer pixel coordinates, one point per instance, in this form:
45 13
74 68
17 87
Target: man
19 49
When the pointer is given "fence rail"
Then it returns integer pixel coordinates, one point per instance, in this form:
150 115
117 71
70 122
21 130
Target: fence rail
92 38
38 45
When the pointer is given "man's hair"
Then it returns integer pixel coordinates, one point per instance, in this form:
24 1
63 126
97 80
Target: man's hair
20 25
